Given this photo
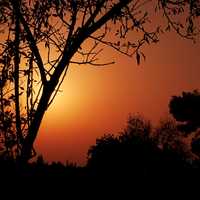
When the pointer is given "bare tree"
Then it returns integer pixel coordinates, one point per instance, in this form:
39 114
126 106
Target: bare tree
41 39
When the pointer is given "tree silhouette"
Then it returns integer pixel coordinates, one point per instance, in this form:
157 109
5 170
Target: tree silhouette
136 153
185 109
41 39
124 154
168 136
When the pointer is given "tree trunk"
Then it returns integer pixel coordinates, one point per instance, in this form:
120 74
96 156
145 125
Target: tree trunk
35 124
48 90
16 6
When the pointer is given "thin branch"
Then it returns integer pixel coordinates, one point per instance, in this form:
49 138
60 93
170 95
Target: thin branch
57 89
34 48
99 6
92 63
72 25
174 27
110 45
109 15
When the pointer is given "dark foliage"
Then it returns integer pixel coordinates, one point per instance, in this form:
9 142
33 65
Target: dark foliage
196 146
135 154
186 109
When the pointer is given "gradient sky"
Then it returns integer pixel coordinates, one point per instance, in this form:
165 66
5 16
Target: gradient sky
98 100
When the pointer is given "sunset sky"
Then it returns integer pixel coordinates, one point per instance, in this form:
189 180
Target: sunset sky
98 100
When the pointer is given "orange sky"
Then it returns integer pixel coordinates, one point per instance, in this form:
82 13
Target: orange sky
98 100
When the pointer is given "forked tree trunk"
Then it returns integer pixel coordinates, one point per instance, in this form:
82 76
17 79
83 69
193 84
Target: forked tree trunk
71 47
48 89
35 125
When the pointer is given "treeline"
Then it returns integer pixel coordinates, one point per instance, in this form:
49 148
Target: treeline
139 151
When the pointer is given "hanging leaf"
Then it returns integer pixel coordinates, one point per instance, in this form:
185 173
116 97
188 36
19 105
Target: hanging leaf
138 58
12 97
47 44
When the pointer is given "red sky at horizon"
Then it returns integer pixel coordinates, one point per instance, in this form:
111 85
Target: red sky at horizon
98 100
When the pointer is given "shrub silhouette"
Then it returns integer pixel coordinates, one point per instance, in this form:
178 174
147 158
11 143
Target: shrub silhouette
134 153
